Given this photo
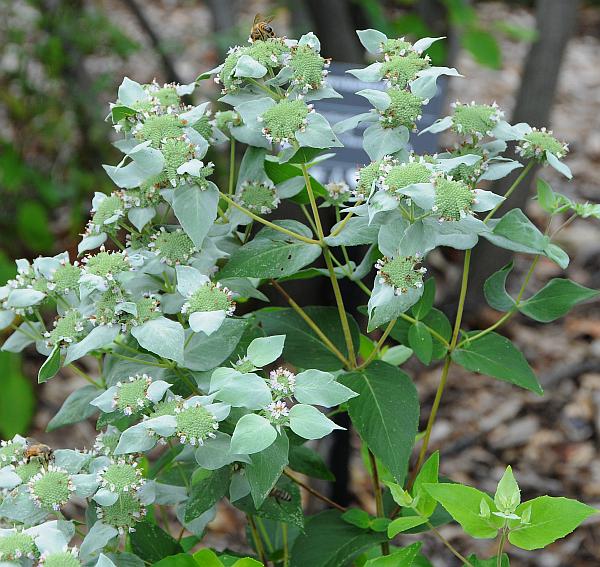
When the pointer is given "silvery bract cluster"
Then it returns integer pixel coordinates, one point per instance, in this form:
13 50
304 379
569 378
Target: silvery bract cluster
168 258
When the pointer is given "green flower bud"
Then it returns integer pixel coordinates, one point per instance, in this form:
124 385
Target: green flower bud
10 452
159 128
204 127
51 488
65 278
122 475
67 329
176 152
109 209
124 514
469 174
17 545
476 120
404 110
401 272
65 558
282 382
195 424
173 248
244 365
453 199
308 67
107 441
284 119
397 46
167 96
268 52
106 264
405 174
147 195
226 119
370 174
536 143
27 470
259 197
131 396
400 70
166 407
226 76
210 297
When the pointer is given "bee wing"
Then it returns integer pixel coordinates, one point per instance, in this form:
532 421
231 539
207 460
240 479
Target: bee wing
258 18
269 19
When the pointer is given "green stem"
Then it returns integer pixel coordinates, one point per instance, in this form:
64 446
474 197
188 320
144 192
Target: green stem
260 550
281 229
385 546
308 217
511 190
501 548
326 341
454 551
334 283
379 344
231 165
342 224
284 537
447 362
81 373
265 89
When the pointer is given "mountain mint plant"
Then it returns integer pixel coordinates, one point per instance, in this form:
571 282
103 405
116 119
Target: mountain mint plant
206 393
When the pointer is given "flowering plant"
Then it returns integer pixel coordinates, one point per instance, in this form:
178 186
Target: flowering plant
198 399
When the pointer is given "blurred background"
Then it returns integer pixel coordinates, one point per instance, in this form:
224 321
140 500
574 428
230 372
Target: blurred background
60 64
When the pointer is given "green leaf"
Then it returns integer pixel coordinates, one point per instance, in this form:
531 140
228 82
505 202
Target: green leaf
423 307
463 503
196 210
400 525
207 492
264 350
152 543
514 231
420 341
385 413
494 355
328 541
404 557
266 468
287 510
397 355
556 299
265 258
491 562
252 434
50 367
357 517
205 353
207 558
303 348
308 422
75 408
305 460
483 46
545 196
161 336
435 320
428 474
495 292
320 389
551 518
17 402
179 560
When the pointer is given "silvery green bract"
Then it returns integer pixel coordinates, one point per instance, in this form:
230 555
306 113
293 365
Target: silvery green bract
223 394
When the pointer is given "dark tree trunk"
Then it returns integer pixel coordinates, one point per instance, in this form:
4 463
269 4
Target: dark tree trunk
556 21
334 24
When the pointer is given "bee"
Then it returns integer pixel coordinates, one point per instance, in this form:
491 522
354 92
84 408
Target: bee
261 29
36 450
280 495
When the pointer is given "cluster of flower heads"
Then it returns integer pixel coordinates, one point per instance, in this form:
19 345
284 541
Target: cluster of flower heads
401 62
283 384
132 396
172 248
195 423
401 273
